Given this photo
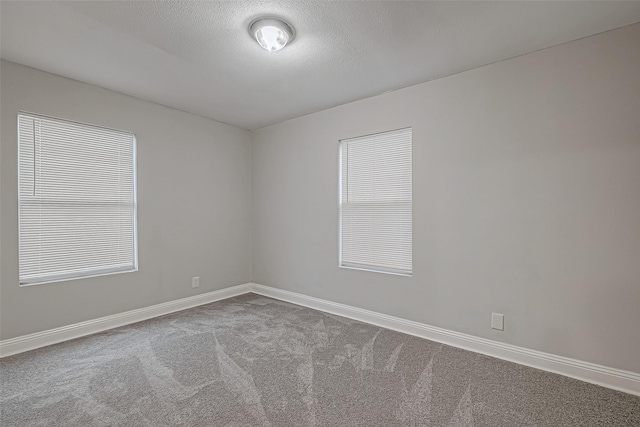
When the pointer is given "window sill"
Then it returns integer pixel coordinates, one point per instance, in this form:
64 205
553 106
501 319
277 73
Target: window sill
372 270
68 279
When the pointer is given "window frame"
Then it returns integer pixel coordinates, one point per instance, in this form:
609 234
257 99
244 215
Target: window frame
366 267
55 278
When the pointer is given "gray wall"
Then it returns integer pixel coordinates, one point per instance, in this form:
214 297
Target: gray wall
526 201
194 200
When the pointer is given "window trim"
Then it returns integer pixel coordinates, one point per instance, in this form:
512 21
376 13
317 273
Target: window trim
97 273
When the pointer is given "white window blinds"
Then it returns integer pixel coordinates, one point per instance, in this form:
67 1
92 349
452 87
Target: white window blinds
376 202
76 200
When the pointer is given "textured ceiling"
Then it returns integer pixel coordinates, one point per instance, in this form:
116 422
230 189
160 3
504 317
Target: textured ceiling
199 57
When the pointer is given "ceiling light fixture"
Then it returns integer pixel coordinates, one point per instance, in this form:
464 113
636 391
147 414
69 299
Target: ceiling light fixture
271 33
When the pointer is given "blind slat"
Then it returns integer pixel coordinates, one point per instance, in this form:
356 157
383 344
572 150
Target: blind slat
76 199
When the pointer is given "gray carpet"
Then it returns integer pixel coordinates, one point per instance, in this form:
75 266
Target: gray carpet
254 361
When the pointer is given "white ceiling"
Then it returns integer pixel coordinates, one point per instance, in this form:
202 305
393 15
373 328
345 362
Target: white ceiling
199 57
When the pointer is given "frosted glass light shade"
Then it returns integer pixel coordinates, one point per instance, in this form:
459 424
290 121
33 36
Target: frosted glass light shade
271 34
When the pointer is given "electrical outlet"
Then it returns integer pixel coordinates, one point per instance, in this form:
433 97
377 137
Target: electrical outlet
195 282
497 321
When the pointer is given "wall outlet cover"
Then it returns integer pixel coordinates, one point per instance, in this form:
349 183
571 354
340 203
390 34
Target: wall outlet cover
497 321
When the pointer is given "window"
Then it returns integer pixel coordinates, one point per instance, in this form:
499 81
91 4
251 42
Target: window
376 202
77 200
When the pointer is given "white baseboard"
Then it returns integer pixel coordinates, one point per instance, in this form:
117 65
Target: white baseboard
617 379
53 336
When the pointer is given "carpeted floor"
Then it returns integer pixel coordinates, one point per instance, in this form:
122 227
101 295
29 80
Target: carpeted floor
254 361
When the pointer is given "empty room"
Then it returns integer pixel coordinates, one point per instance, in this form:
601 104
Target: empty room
320 213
